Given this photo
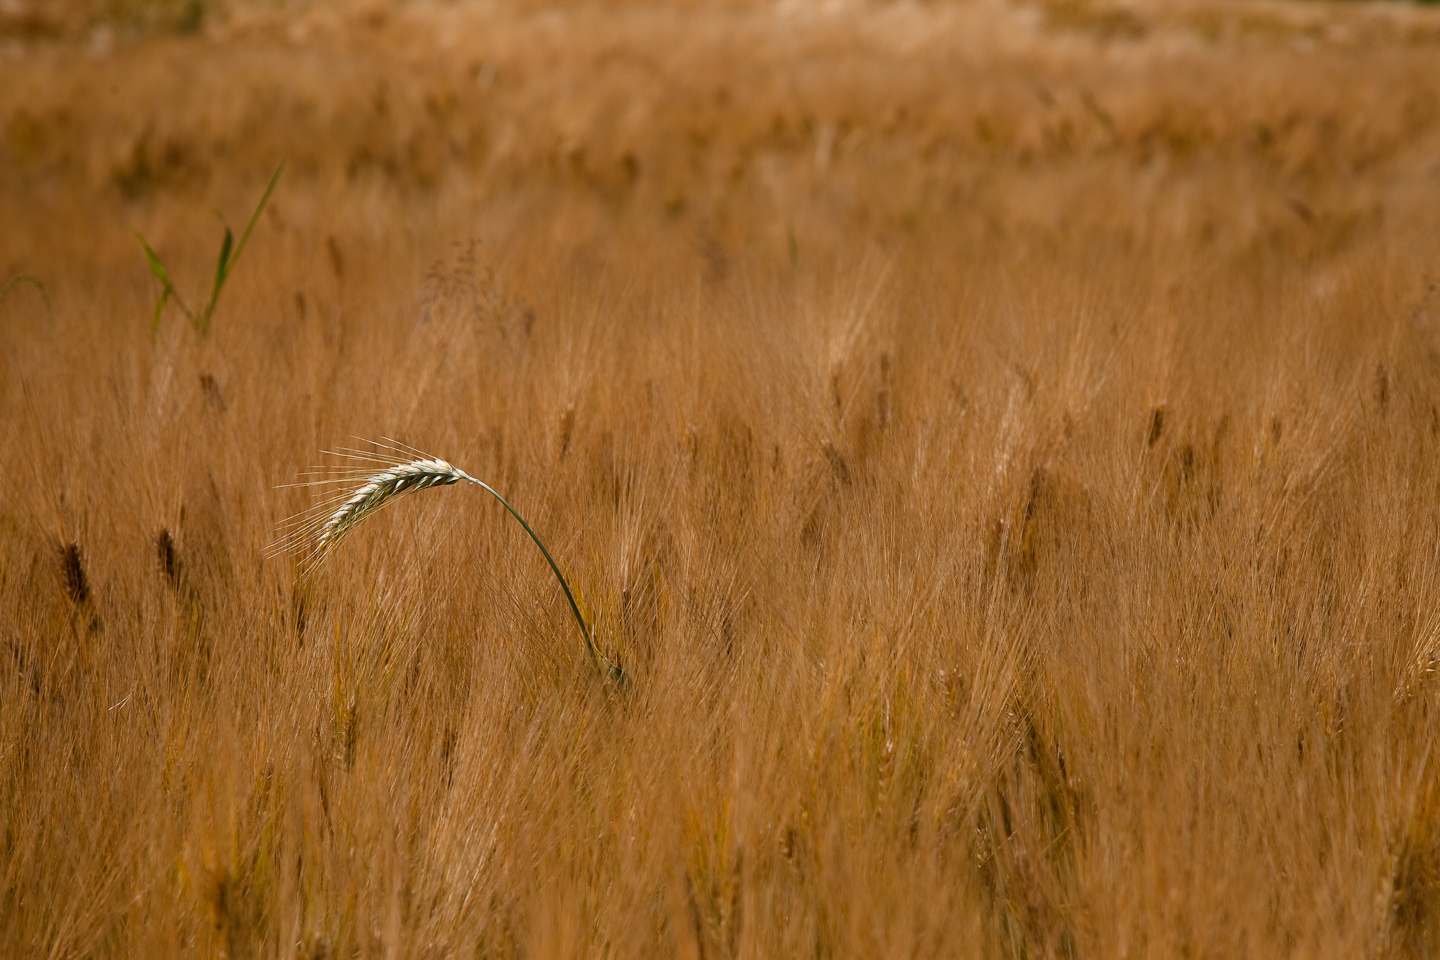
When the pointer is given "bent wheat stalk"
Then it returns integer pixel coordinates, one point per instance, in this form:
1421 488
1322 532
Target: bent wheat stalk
397 479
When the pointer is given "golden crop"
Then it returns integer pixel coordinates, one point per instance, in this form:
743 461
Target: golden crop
1000 440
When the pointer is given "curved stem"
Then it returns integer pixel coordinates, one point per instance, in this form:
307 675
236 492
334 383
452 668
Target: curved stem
602 662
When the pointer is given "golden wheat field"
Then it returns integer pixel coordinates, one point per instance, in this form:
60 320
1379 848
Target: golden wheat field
999 440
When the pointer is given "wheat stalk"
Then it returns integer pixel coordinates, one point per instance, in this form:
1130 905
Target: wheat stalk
318 531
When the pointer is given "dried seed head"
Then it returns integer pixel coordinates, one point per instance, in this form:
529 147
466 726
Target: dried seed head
72 563
383 487
168 556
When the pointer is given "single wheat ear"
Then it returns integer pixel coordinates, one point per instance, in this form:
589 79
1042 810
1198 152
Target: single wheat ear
314 534
383 487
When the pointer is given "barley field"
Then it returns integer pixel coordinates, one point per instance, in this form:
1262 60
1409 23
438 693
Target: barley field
999 442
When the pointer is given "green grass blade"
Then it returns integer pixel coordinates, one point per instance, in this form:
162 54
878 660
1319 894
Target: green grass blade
222 270
222 267
230 253
155 321
158 268
245 237
34 281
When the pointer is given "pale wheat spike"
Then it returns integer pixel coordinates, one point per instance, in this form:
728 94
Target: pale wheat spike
398 479
383 487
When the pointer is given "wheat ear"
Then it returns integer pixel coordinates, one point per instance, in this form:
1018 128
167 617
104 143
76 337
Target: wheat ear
399 478
380 488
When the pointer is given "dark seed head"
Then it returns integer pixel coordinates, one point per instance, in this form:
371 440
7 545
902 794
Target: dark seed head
168 557
72 564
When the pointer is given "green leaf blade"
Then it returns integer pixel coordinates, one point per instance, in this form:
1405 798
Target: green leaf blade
222 271
255 217
157 267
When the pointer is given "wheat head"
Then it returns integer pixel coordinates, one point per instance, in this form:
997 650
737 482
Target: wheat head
383 487
406 470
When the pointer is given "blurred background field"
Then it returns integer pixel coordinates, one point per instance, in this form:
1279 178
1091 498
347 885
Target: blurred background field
1001 439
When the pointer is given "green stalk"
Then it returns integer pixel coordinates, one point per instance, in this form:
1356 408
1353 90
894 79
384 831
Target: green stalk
20 278
602 663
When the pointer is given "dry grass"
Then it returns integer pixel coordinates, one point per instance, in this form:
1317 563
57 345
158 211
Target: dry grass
1002 442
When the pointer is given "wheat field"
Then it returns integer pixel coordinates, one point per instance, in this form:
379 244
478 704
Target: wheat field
1000 441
